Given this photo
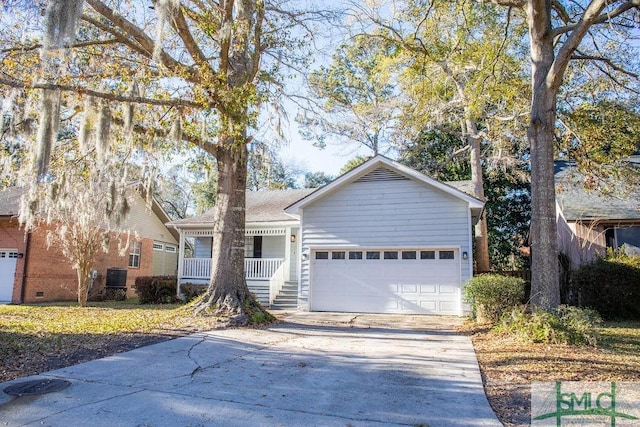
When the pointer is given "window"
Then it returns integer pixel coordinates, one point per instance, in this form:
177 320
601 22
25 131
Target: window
427 254
322 255
355 255
134 254
337 255
158 247
408 254
373 255
390 254
257 246
446 255
171 249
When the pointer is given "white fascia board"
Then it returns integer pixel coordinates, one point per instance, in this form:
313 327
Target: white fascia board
209 225
273 224
191 226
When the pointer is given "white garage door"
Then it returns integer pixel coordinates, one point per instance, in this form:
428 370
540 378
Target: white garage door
8 259
420 281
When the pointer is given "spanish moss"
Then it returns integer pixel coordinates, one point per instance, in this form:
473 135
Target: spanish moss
47 130
176 130
60 23
165 10
103 131
129 110
88 124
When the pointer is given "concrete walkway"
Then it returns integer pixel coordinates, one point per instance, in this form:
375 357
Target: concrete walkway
316 369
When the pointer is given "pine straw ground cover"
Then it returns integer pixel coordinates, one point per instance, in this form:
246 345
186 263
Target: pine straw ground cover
38 338
509 366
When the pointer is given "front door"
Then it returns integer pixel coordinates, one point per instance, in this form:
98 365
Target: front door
8 258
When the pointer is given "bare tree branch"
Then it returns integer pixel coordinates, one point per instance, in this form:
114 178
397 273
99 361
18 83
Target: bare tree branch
73 46
601 19
510 3
134 31
607 61
103 95
590 16
182 29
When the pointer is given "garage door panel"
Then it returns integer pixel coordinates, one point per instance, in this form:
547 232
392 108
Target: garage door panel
428 289
385 285
447 307
429 306
408 289
447 289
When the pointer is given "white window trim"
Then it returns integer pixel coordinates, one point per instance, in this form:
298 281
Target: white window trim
135 254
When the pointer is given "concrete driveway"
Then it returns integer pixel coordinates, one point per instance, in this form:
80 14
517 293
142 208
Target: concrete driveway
316 369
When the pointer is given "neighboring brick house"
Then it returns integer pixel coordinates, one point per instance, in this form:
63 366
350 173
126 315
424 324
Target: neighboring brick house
30 271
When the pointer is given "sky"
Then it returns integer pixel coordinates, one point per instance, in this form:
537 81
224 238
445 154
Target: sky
329 160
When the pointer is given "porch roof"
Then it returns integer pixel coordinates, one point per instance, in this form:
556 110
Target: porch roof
262 207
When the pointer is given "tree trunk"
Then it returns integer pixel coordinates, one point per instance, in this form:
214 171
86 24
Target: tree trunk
83 285
545 282
483 263
227 294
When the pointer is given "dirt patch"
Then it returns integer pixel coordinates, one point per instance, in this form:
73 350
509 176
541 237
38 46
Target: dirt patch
509 366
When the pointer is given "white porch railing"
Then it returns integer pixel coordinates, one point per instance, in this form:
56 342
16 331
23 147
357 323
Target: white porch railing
275 283
254 268
261 268
196 268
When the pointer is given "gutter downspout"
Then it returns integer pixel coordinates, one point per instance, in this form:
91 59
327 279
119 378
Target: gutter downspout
24 267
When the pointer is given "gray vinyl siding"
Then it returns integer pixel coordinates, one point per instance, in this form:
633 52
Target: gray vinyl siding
382 214
202 247
273 247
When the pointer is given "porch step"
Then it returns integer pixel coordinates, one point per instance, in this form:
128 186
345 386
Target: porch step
261 291
287 299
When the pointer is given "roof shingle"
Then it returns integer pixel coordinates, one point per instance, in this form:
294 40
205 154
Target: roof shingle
261 206
578 203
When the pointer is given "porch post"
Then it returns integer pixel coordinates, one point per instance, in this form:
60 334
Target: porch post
180 262
287 254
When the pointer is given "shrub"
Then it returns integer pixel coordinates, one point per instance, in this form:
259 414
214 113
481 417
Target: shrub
190 291
492 295
156 289
610 285
566 325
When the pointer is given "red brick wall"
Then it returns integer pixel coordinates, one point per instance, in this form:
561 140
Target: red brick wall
50 277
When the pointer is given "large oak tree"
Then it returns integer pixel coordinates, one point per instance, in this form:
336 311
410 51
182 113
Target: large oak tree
195 71
559 32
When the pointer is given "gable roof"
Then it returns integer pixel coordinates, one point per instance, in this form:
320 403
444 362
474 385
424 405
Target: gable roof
10 204
577 203
261 206
383 168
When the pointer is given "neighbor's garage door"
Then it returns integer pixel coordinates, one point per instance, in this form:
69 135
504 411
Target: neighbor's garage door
422 281
7 272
